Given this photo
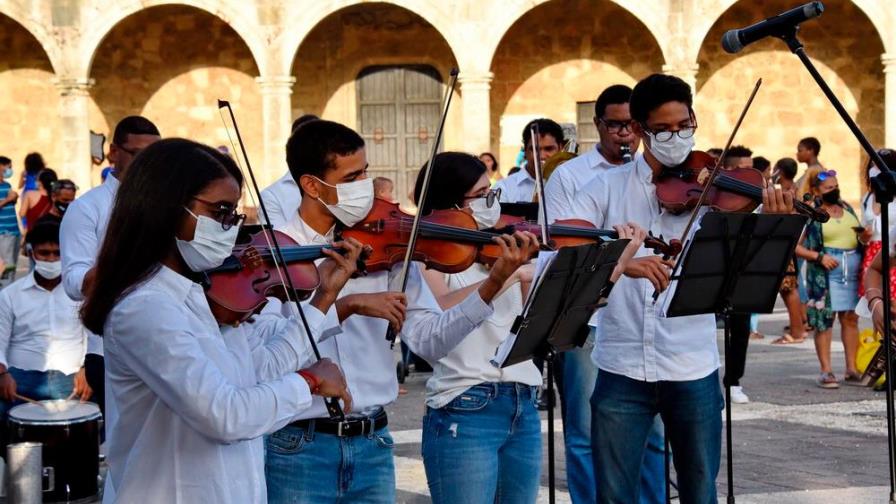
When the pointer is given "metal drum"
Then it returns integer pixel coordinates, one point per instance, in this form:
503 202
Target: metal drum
70 434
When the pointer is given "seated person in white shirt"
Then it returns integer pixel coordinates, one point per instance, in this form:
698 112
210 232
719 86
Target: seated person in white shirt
648 364
282 197
481 431
520 186
192 405
42 341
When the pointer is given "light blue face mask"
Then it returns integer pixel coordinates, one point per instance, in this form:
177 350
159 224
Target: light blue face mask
7 173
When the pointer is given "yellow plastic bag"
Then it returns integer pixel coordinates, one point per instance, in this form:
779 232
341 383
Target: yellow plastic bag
869 342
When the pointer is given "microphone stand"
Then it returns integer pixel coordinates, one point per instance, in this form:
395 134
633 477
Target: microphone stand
884 187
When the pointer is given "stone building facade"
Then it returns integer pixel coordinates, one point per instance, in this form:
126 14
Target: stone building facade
70 66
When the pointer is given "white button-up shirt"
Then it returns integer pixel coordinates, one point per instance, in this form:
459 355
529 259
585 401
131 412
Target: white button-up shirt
562 187
282 200
519 187
461 341
361 350
40 329
80 239
193 401
632 339
81 234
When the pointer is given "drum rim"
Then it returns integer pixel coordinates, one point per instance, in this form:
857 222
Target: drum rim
60 421
70 421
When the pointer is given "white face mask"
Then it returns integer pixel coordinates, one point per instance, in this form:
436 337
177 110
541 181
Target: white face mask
672 152
354 200
47 269
484 216
210 245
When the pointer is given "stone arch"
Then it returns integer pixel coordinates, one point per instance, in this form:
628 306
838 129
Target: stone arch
303 22
549 60
30 101
333 55
790 105
502 16
39 32
233 14
184 61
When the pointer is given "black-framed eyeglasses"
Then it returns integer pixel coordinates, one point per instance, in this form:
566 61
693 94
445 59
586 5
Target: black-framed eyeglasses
490 197
665 136
616 126
59 186
225 214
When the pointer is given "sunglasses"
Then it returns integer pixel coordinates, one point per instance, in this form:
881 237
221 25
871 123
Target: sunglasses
490 197
826 175
225 214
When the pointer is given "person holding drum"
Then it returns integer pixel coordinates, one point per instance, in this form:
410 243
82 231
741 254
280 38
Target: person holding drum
191 406
42 340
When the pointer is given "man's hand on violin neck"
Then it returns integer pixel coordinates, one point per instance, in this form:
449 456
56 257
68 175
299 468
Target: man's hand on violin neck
390 306
653 268
776 200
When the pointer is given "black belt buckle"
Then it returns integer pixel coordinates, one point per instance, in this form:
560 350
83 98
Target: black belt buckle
344 426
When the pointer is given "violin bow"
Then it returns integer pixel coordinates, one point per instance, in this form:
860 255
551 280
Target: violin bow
715 170
415 227
331 403
534 135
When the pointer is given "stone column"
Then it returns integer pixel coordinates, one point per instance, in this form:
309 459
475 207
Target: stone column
476 111
685 71
889 61
75 139
276 117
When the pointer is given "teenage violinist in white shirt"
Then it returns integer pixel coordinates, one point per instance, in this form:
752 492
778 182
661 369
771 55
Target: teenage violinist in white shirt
192 408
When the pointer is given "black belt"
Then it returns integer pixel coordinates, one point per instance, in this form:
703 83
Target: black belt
349 427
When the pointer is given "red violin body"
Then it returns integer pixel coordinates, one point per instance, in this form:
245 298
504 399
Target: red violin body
240 287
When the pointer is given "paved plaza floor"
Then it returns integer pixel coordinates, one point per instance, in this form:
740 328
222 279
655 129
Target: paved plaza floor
794 442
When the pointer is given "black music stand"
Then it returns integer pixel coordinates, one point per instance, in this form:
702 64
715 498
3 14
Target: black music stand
734 263
527 210
555 317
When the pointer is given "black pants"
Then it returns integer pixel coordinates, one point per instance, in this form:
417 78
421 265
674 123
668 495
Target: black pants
736 359
95 371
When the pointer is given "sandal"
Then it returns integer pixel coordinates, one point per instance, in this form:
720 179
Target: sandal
827 381
788 340
854 379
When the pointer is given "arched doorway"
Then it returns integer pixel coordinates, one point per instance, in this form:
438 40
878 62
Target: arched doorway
790 105
557 58
379 69
171 63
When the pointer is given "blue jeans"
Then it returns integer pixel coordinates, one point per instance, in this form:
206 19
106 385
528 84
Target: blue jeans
484 446
624 409
38 385
303 466
579 375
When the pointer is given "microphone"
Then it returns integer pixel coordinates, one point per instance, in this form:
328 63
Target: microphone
626 151
735 40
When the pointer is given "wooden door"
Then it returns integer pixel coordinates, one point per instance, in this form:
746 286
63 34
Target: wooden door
398 114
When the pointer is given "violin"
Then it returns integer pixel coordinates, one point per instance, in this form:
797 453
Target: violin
240 287
448 240
733 190
569 233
